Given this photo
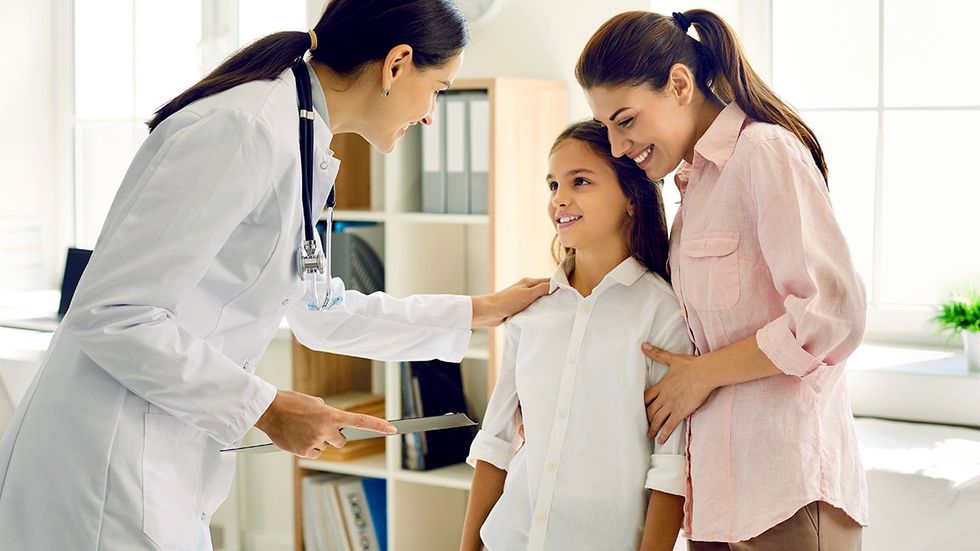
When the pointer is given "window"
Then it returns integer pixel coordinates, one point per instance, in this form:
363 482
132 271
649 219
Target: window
895 109
131 57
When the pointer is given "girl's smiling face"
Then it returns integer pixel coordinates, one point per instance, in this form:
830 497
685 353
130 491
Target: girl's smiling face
587 207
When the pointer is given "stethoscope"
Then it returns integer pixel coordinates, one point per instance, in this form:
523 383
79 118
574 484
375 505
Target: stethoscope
312 262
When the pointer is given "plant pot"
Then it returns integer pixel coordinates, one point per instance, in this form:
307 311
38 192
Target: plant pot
971 344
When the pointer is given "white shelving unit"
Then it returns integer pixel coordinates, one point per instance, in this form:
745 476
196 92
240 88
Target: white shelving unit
447 253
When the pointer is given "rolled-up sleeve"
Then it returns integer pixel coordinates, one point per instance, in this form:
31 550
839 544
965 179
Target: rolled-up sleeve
499 438
668 463
808 258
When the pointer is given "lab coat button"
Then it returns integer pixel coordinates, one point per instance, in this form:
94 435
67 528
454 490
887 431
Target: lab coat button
285 302
203 516
324 165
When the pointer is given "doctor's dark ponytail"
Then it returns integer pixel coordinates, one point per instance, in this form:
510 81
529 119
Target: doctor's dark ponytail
640 47
350 34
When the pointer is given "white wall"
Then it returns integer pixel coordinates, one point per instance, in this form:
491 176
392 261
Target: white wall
32 144
540 39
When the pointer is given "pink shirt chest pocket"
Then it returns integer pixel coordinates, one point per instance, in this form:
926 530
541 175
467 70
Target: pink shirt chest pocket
709 270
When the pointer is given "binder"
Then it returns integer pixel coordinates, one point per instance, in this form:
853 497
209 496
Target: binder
376 493
323 522
437 388
433 161
457 190
360 525
478 158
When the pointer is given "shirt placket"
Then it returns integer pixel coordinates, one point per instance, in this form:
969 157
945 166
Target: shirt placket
679 269
559 427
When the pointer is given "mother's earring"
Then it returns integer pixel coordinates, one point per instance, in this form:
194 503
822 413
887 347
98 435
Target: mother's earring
385 92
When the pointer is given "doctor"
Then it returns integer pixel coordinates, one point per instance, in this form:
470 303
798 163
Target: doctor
115 445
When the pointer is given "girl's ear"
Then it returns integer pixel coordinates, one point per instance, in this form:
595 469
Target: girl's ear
629 209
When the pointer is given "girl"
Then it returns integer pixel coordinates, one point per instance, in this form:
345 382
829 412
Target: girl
765 282
116 444
573 375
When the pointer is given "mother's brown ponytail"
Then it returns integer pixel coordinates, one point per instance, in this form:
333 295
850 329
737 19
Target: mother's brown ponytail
737 81
640 47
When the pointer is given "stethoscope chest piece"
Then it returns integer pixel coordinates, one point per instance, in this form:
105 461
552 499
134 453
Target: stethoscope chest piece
313 263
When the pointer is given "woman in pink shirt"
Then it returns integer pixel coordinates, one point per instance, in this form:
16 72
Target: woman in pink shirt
764 278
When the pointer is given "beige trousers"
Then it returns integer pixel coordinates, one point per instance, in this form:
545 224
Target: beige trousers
816 527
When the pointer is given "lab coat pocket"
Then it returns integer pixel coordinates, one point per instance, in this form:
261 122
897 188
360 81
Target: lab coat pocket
710 273
171 478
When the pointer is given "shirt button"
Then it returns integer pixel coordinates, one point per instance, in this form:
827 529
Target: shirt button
571 360
585 309
540 518
285 302
563 413
551 465
324 165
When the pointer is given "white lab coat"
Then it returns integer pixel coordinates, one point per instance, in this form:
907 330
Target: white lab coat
115 444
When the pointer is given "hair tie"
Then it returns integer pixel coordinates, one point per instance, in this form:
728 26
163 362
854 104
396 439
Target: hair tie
682 21
312 34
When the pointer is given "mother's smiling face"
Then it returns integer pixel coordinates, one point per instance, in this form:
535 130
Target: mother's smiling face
655 128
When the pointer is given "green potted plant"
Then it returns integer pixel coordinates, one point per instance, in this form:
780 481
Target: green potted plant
961 315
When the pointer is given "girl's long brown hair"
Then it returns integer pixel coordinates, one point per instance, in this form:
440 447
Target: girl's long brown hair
640 47
645 232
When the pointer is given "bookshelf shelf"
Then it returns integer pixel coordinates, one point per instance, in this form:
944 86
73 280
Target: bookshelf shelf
456 477
372 466
358 216
467 254
426 218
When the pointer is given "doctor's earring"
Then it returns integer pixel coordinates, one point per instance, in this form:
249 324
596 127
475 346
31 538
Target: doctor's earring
385 92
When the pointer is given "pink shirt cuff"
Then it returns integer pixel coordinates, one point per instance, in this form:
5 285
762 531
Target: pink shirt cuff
779 344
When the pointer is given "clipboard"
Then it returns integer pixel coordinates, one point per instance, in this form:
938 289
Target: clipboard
404 426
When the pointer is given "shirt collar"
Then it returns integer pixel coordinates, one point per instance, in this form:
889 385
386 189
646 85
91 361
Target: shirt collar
626 273
718 142
319 99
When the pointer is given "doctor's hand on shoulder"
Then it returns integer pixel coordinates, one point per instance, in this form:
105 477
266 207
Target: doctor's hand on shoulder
494 309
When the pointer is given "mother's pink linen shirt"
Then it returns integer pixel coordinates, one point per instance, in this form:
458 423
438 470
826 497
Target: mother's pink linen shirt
755 249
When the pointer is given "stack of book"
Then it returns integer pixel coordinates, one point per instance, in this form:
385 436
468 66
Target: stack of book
356 402
344 513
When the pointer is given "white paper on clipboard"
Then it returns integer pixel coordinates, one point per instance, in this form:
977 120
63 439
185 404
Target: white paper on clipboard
404 426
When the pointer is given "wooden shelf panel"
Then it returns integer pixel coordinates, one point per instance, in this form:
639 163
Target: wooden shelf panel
372 466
